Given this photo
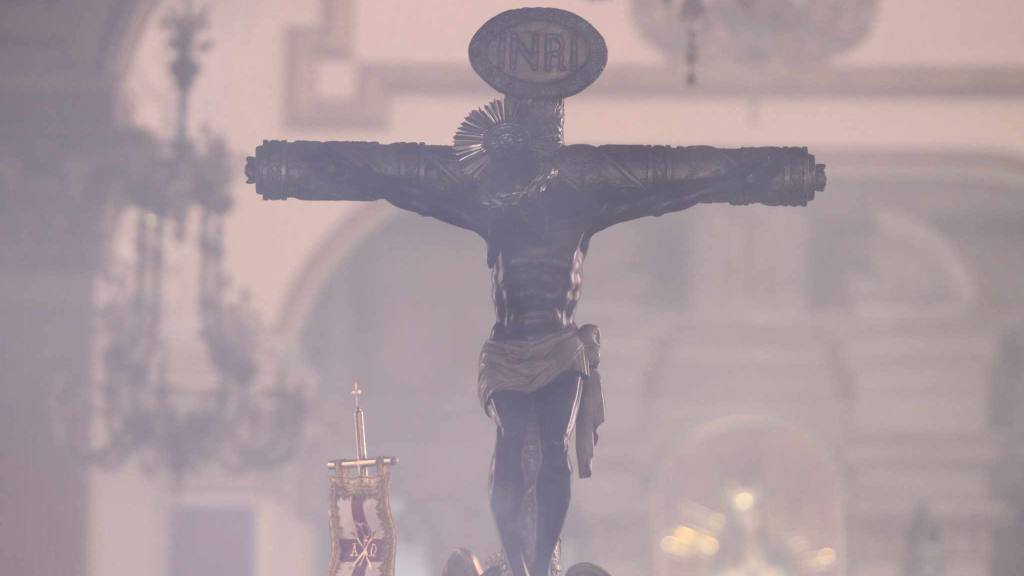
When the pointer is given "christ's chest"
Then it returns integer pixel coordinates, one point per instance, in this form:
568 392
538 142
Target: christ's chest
549 232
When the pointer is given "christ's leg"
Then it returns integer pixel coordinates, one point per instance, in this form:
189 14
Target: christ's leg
556 407
511 412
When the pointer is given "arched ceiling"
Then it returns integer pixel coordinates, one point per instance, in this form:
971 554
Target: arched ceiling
87 38
62 61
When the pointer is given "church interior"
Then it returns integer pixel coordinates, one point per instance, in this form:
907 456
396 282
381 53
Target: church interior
833 390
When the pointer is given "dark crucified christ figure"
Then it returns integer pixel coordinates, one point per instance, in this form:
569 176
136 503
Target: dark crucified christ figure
536 203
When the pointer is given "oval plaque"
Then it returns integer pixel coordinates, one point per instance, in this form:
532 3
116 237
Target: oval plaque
538 53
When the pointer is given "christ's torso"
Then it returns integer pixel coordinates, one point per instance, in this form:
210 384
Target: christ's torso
536 276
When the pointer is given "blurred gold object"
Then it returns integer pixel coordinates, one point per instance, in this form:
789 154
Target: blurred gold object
743 500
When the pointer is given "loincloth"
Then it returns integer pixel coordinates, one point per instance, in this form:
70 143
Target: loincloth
529 365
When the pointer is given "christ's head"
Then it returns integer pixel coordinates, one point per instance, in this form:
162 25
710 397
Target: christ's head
510 143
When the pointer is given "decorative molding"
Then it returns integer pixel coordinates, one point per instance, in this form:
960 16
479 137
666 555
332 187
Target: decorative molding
312 50
330 43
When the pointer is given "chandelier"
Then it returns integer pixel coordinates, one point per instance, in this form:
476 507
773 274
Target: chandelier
245 415
755 35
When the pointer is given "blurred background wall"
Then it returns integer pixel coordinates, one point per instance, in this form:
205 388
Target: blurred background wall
833 390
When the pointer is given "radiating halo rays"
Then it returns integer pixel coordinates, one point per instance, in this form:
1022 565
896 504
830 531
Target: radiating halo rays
473 142
505 129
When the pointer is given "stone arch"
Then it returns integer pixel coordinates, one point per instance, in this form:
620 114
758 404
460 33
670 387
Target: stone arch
126 24
97 37
912 270
341 241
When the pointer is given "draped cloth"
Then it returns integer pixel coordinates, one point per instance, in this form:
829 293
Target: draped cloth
530 364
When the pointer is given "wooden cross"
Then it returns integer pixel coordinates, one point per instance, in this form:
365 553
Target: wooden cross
536 202
512 150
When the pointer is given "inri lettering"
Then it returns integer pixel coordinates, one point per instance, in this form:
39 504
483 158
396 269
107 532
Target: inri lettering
553 50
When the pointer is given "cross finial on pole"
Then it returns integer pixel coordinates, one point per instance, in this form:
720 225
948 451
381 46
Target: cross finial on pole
360 425
362 460
356 391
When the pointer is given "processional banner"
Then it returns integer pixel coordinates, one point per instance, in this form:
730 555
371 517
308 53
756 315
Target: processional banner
362 528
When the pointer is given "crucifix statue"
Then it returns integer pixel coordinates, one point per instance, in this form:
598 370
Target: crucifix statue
536 202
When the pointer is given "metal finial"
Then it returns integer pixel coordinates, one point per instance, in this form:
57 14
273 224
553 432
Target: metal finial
356 391
360 423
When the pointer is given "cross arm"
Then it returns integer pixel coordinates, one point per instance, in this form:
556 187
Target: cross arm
416 177
634 181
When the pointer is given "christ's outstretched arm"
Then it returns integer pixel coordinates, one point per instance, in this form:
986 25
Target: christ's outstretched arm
634 181
416 177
